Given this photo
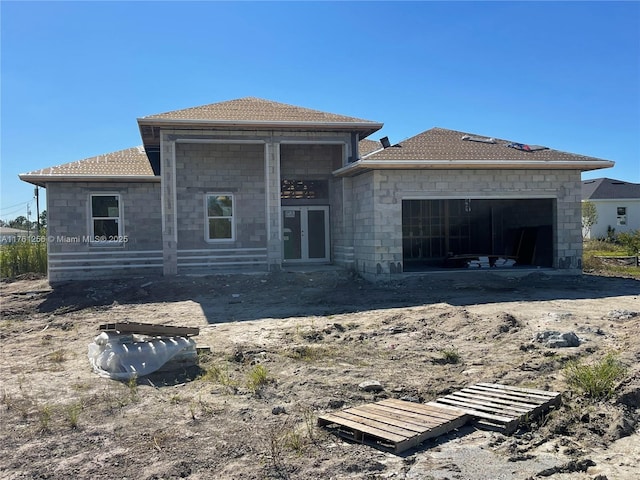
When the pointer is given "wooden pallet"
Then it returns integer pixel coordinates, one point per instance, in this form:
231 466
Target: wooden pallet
149 329
499 406
394 425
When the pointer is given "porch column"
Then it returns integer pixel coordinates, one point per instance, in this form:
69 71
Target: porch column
169 208
274 215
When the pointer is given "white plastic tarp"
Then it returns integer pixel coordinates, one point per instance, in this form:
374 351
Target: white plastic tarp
122 357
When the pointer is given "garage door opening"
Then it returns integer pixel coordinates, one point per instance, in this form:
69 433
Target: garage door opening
477 233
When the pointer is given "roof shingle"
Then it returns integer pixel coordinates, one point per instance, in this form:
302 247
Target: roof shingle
442 144
609 189
251 109
132 162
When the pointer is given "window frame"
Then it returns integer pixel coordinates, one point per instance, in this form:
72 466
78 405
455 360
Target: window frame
232 217
120 237
621 218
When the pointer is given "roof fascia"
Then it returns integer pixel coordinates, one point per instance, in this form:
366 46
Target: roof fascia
364 165
612 200
41 180
373 126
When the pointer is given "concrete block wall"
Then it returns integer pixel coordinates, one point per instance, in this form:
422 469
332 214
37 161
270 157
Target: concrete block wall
68 214
378 199
317 162
239 169
308 161
72 256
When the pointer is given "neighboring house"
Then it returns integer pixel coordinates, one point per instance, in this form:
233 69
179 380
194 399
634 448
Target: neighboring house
12 235
617 203
259 185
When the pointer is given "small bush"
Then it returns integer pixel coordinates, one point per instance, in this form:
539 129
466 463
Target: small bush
449 356
44 418
58 356
73 414
597 380
630 242
257 378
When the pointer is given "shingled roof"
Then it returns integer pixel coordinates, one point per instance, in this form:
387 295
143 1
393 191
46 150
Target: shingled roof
252 113
252 109
442 148
609 189
367 146
129 164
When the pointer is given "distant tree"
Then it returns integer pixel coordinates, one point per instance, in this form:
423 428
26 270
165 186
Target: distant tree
19 222
43 218
589 217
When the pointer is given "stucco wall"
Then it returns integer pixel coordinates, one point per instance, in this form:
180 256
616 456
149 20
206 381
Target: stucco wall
608 216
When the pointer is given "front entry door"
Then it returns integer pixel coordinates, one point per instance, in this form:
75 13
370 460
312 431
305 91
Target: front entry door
305 234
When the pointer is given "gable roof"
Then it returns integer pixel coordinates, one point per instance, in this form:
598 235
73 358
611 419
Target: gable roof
252 113
609 189
131 164
442 148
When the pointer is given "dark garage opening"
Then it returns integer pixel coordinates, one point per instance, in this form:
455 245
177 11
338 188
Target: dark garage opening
477 233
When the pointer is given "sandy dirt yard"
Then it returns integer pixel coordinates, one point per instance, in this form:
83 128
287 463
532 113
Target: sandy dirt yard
317 336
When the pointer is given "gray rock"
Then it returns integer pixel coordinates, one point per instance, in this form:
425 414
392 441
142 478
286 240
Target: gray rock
411 398
335 403
278 410
371 386
555 339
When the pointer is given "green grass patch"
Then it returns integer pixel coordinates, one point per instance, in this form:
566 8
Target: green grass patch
448 356
19 258
257 378
596 380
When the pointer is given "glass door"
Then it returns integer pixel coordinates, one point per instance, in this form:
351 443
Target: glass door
305 234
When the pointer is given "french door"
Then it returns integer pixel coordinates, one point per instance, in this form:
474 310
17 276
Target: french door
305 234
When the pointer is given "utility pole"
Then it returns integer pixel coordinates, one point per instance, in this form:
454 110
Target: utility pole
36 192
28 221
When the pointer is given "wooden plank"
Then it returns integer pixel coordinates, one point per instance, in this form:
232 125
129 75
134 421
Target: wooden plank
416 420
500 405
423 408
330 418
385 427
508 409
386 419
508 394
476 406
522 397
520 389
399 423
433 432
477 413
410 417
149 329
505 398
497 399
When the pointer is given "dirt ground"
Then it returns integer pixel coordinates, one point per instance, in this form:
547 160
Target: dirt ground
318 335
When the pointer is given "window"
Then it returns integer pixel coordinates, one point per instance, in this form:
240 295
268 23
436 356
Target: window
106 224
219 221
622 215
